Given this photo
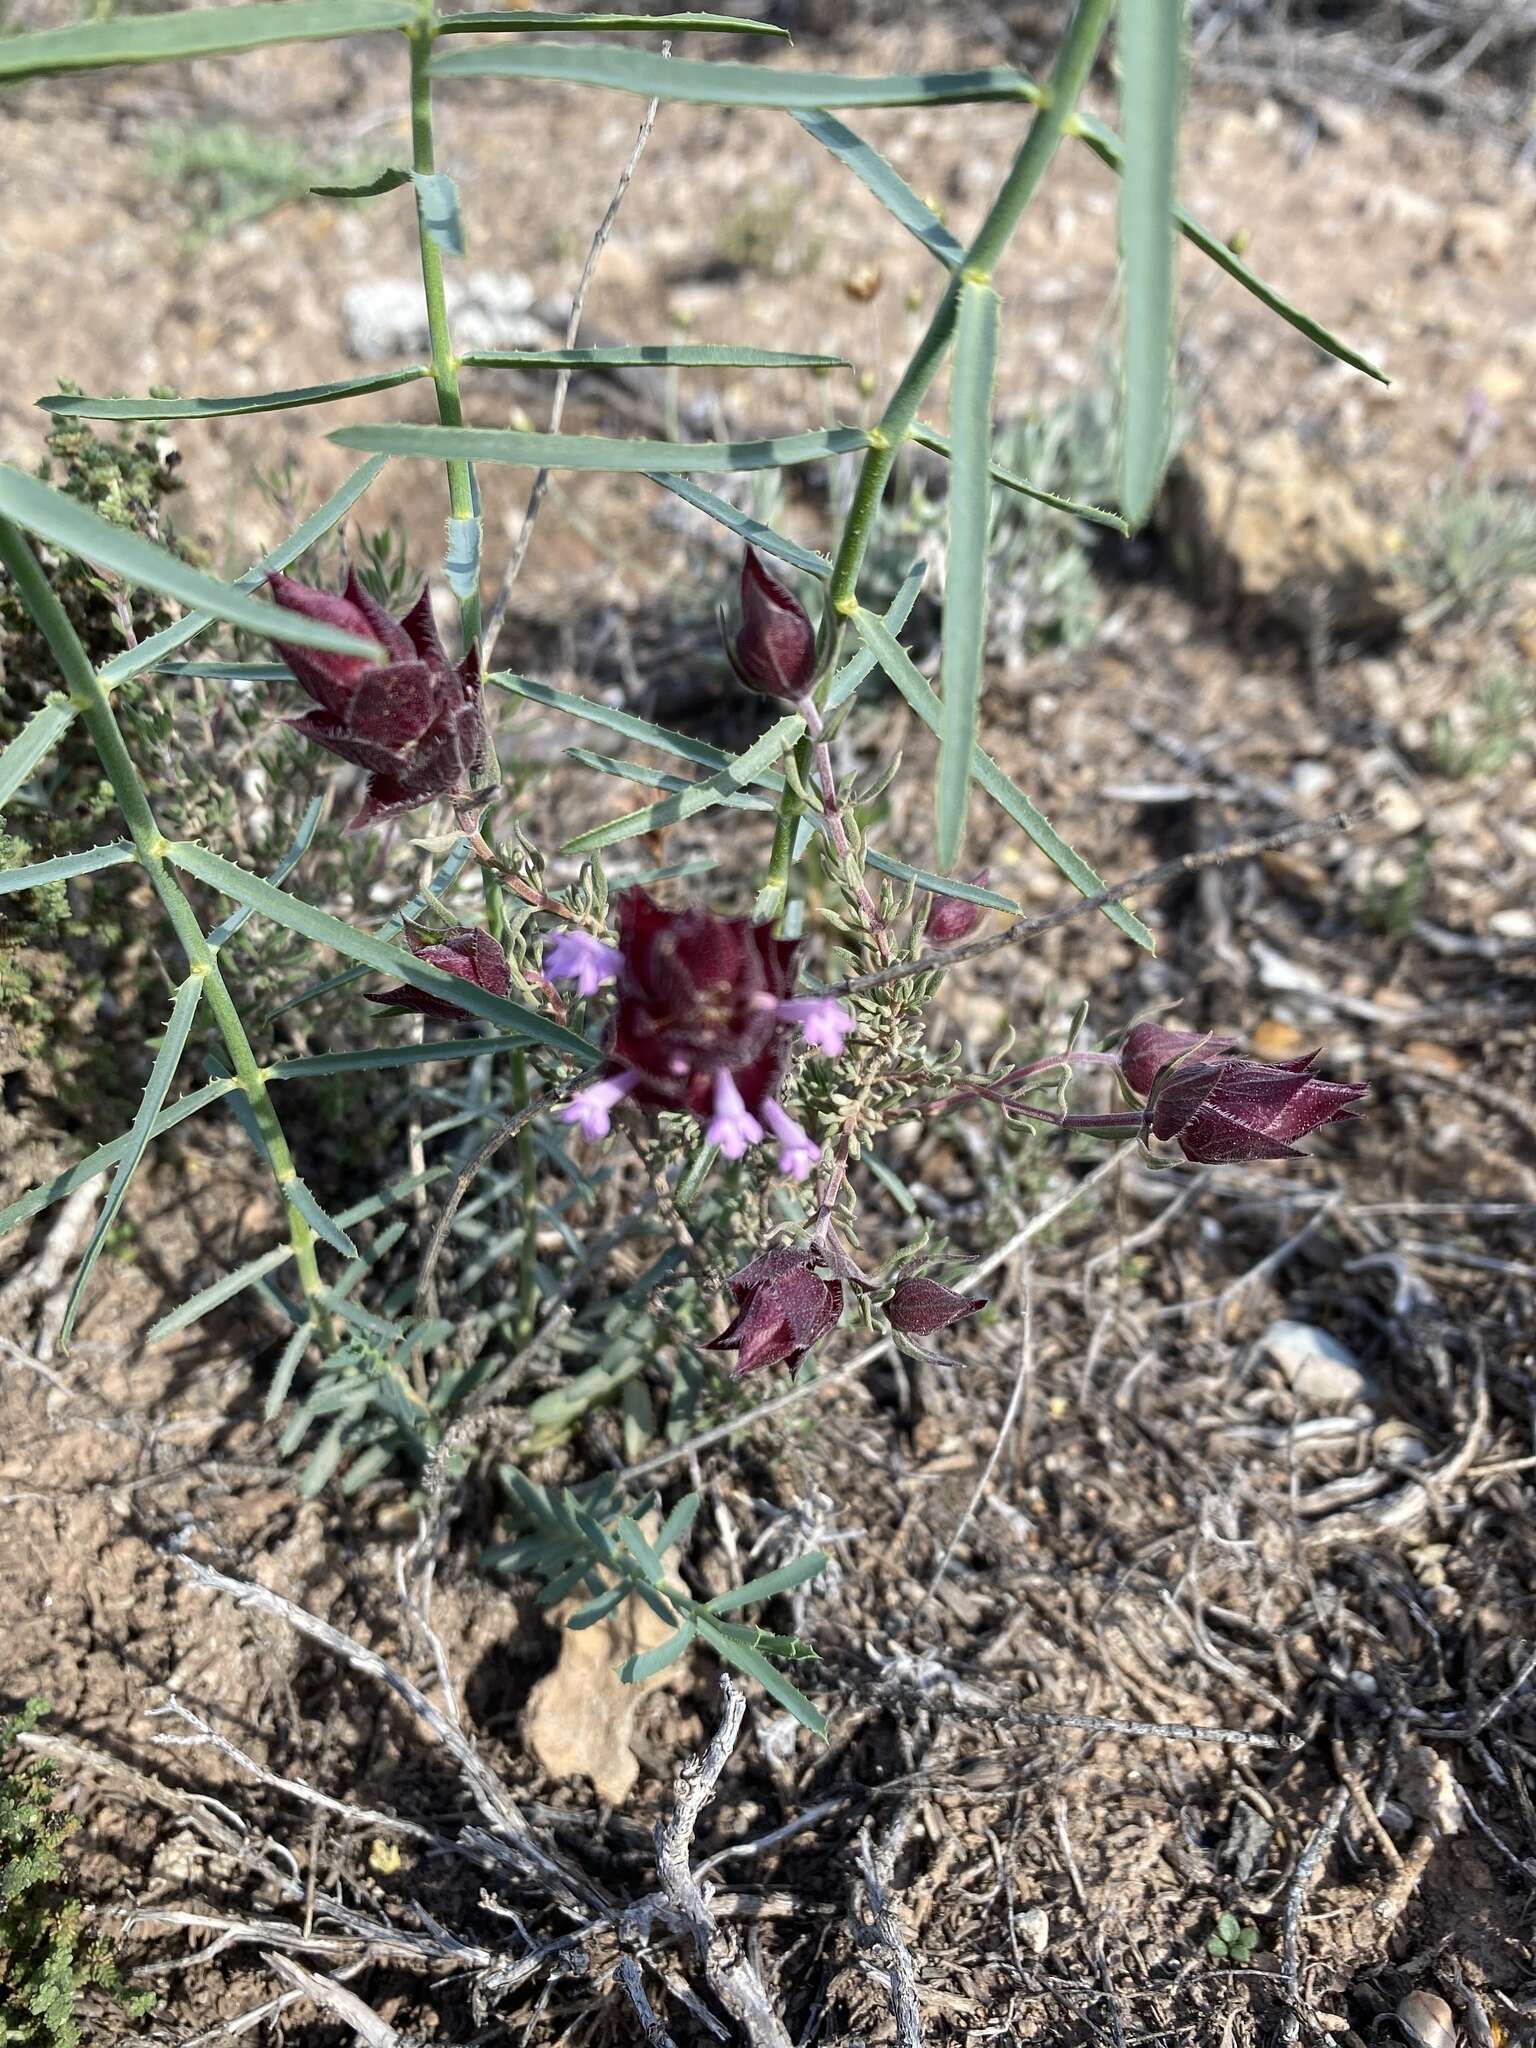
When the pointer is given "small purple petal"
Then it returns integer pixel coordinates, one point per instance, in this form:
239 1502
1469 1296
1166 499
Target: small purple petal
589 1108
578 957
824 1021
797 1154
732 1127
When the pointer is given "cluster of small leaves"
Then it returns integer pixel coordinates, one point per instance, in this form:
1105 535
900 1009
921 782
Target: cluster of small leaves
1233 1942
586 1542
47 1961
1486 735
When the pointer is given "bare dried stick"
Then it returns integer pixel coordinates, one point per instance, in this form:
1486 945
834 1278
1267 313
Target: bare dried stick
727 1969
652 2030
498 610
1150 878
426 1286
876 1928
1021 1384
507 1825
337 2000
1302 1878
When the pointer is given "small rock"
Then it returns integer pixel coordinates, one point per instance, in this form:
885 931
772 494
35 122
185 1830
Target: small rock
387 318
1482 234
1319 1370
1311 779
1424 1052
1274 1039
1502 383
1033 1927
1426 2020
579 1716
1399 810
1267 524
1513 924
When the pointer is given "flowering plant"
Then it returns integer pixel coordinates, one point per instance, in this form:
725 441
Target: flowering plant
753 1043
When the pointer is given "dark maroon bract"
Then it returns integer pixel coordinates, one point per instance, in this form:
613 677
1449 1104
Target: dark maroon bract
1149 1048
413 721
775 650
472 955
921 1308
952 919
784 1306
1221 1111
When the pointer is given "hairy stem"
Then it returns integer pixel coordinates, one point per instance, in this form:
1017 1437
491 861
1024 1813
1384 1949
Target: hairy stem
445 365
837 831
528 1174
90 700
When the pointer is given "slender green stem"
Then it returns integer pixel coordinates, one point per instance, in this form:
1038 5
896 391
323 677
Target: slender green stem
1074 61
90 700
445 364
528 1173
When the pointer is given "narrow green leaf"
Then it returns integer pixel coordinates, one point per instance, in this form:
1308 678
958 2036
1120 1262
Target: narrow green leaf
1106 145
886 183
161 1075
647 1663
322 1465
42 731
769 1677
731 85
287 1366
898 665
387 181
965 589
64 522
230 671
105 1156
453 866
378 1058
151 653
674 355
1151 86
325 1228
657 778
751 530
773 745
595 451
220 1291
929 437
942 885
437 208
496 21
795 1573
675 1529
199 32
635 1541
594 1611
223 933
394 961
611 719
42 872
63 406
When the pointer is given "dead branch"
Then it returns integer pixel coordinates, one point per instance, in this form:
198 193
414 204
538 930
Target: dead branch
877 1930
727 1969
335 1999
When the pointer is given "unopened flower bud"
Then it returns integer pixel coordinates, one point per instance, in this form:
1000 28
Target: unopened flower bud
775 650
952 918
921 1308
471 955
784 1306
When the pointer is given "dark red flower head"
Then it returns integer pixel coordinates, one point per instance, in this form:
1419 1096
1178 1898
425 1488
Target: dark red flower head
1223 1110
951 918
784 1306
413 721
921 1308
1148 1048
775 650
471 955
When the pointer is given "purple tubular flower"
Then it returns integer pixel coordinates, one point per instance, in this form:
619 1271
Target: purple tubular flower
413 722
473 956
1149 1048
951 918
590 1108
733 1127
775 650
921 1308
823 1022
797 1154
578 957
1221 1111
784 1306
